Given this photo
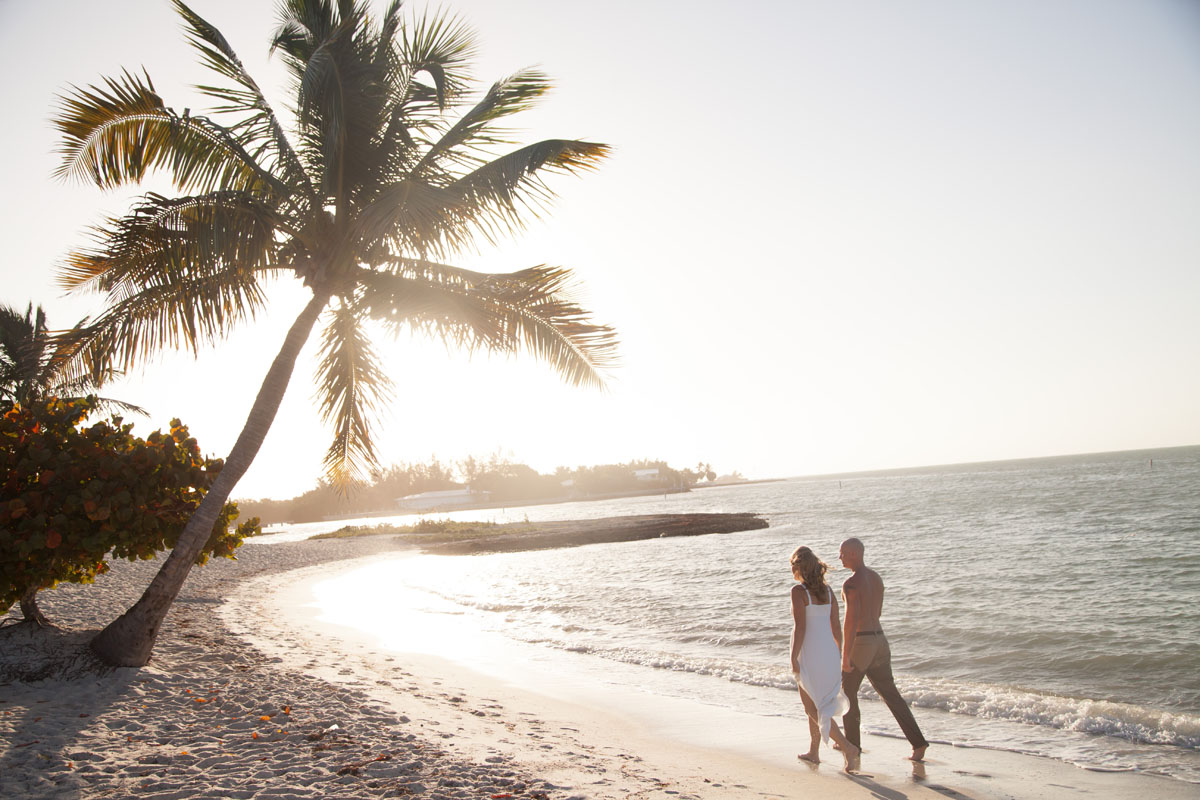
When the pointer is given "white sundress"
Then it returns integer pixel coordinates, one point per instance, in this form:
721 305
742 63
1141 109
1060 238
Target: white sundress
821 665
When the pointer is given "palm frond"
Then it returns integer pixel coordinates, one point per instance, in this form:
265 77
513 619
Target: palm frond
261 124
353 387
321 90
12 342
115 134
24 352
501 312
331 80
163 237
474 130
109 405
85 385
499 197
182 305
300 23
307 30
72 377
438 273
37 362
410 215
291 38
76 374
495 200
440 46
389 26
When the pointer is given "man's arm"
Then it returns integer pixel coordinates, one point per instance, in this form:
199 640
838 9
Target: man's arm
850 628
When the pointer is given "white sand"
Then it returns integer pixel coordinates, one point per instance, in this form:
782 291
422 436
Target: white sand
408 725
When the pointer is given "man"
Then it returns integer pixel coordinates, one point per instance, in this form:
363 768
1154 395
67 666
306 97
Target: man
865 650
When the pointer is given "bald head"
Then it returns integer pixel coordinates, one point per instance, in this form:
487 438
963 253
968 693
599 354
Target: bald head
851 553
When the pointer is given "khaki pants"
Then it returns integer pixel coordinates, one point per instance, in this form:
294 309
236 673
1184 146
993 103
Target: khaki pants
872 658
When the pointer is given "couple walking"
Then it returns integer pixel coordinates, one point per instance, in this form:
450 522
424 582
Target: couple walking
830 661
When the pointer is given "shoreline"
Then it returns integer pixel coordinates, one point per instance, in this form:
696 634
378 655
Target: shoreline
407 724
693 748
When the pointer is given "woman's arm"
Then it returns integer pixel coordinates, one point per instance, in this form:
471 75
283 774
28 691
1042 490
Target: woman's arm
798 604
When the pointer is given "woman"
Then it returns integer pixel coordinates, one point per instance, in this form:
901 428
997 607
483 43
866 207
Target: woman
817 655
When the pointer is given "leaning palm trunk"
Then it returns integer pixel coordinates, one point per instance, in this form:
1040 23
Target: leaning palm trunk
129 640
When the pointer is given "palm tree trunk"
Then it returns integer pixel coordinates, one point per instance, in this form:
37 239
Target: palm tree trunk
129 639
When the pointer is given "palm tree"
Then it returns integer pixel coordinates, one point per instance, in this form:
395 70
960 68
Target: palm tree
387 173
35 362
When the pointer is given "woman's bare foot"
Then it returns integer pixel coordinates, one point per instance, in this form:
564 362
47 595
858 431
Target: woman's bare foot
810 758
919 753
851 754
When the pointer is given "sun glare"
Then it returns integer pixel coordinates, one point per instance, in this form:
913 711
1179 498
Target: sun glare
381 597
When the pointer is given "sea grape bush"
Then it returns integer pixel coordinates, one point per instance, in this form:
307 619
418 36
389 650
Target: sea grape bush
72 497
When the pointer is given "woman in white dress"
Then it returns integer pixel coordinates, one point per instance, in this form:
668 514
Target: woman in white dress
817 656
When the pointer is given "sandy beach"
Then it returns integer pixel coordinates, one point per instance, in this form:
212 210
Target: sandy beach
249 695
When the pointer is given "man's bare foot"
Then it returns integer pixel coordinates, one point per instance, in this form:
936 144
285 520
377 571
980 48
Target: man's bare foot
853 762
810 758
919 753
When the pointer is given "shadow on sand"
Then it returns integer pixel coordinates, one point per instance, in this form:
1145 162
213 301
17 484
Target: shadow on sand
51 690
882 792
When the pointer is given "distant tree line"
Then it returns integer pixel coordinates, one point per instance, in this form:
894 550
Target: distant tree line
506 482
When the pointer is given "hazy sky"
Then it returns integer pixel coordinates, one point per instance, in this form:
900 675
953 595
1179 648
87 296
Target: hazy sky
833 235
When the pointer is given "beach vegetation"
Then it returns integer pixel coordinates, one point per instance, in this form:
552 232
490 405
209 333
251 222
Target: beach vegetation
425 528
388 166
37 362
74 495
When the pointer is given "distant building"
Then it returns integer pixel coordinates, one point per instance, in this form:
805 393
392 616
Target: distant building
646 474
449 498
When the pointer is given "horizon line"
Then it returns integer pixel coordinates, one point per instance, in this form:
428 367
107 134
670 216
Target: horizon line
915 468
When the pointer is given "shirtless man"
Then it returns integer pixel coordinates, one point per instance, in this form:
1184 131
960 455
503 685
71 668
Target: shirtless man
865 650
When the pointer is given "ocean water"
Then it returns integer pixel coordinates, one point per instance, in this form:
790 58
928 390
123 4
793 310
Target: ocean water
1046 606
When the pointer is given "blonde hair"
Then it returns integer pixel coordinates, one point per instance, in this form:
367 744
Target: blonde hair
812 573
